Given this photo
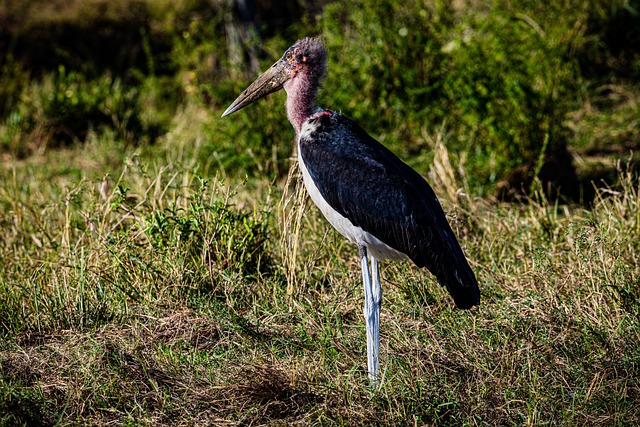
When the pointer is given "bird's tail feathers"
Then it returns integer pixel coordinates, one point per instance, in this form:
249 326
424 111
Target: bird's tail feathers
462 285
454 273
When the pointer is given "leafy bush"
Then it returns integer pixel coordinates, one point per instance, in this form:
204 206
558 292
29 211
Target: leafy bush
496 82
498 79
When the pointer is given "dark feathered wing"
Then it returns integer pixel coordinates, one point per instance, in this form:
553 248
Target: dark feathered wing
367 183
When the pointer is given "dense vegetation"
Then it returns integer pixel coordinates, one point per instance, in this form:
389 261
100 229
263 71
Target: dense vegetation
515 87
160 265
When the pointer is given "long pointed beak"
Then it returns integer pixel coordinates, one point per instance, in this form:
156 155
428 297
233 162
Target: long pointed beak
269 82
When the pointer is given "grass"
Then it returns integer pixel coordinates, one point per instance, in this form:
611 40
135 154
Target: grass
139 293
159 266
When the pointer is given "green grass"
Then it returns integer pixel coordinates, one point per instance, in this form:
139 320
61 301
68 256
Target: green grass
161 266
137 293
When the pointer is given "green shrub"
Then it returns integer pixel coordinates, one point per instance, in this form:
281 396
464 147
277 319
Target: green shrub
497 83
508 88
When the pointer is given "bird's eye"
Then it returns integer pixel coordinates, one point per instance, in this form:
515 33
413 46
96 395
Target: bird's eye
289 56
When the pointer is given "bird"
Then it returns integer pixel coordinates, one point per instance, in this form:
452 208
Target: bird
366 192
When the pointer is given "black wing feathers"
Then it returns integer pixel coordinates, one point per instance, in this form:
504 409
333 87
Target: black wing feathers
367 183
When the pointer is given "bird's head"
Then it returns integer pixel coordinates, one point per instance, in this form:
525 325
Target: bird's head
307 57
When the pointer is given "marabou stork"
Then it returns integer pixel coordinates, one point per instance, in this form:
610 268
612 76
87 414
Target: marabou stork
367 193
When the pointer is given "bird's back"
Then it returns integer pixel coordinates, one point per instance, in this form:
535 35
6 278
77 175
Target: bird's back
366 183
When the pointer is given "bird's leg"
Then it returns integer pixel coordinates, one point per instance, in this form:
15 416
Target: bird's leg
371 318
377 299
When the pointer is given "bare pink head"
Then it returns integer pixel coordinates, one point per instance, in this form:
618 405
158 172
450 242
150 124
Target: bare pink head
299 72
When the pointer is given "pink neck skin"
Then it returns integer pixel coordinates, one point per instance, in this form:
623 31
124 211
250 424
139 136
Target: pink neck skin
301 98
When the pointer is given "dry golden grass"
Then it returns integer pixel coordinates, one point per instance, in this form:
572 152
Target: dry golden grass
151 297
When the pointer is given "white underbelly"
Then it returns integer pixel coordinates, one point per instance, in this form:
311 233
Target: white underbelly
375 248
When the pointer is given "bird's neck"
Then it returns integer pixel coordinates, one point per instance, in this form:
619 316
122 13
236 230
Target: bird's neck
301 98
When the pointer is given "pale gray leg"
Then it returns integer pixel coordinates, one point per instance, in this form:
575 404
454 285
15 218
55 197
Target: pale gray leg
377 299
371 317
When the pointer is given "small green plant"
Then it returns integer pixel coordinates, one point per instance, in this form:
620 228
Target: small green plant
213 233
